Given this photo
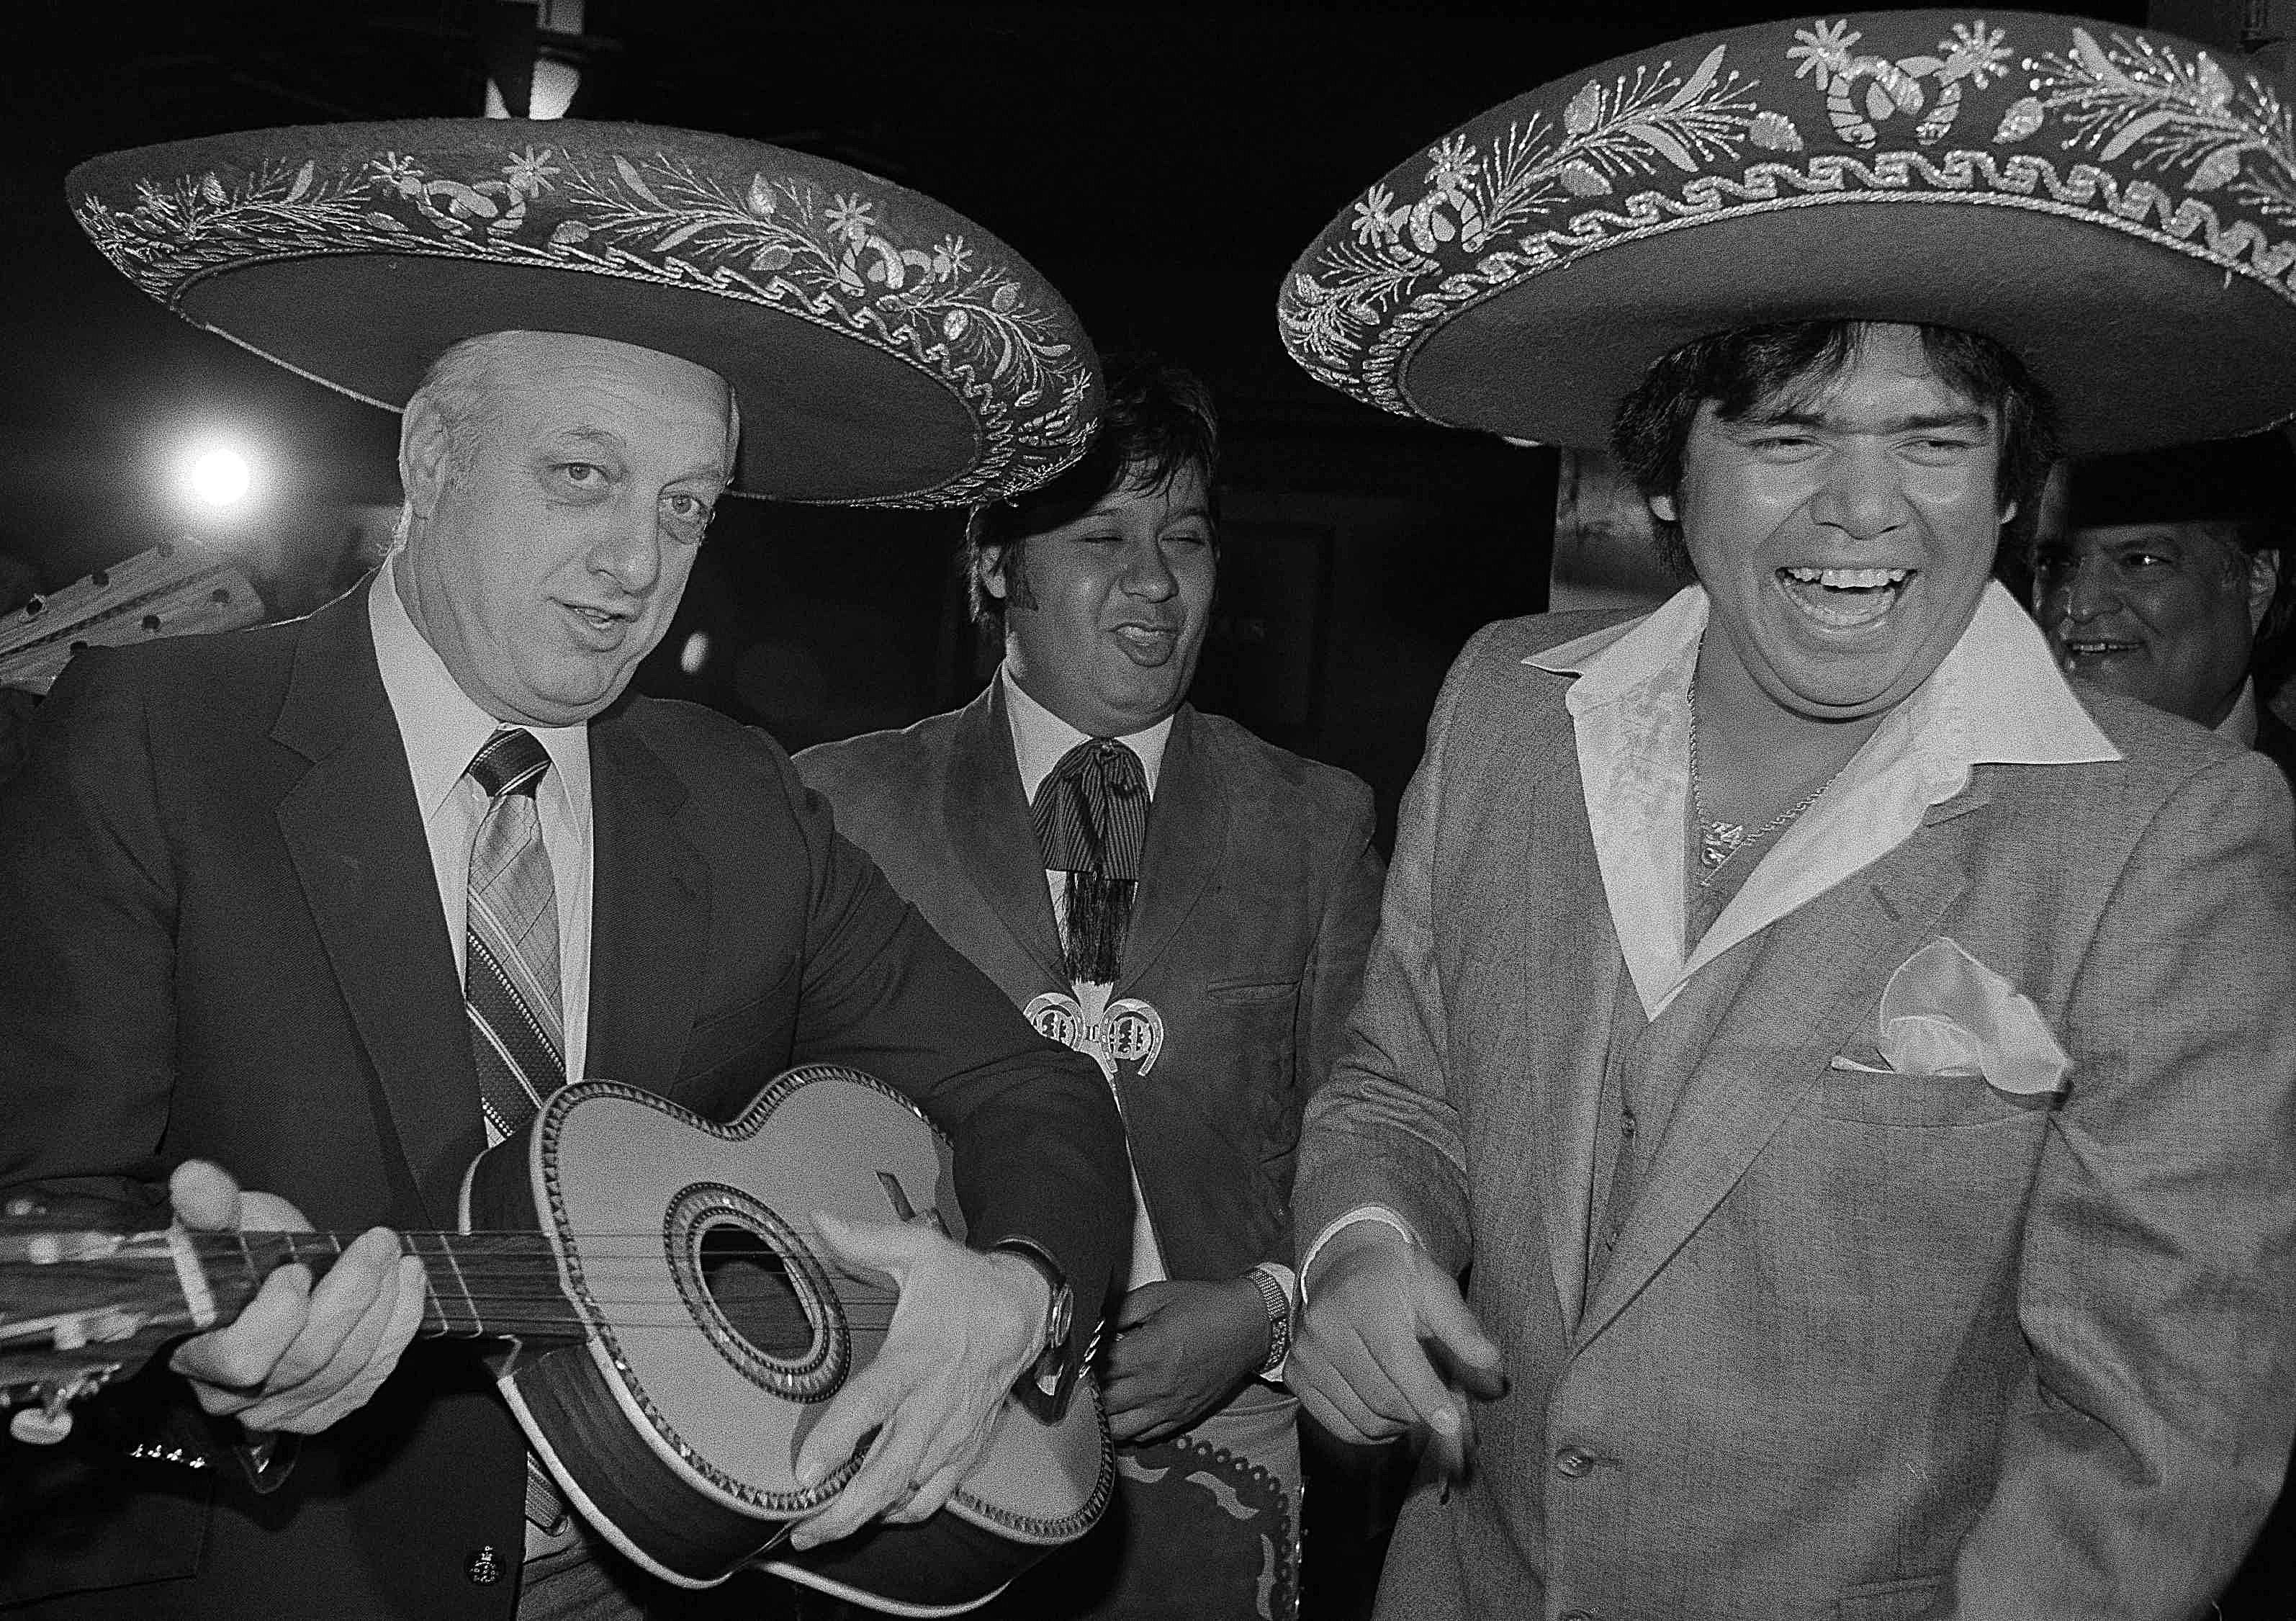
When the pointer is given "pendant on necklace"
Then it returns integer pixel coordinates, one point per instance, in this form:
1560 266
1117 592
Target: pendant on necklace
1717 842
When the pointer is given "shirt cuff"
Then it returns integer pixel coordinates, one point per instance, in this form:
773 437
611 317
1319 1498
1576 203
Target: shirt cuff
1334 1228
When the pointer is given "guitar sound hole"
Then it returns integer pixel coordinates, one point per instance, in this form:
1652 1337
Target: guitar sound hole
749 1283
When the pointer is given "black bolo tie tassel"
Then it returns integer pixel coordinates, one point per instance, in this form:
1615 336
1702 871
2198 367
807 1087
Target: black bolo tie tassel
1091 817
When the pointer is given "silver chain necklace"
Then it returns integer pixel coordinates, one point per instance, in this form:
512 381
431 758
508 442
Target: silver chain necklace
1717 842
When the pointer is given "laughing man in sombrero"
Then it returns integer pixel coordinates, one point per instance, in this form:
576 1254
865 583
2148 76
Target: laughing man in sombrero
325 909
1853 1071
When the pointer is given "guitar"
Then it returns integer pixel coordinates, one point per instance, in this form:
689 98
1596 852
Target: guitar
175 588
671 1336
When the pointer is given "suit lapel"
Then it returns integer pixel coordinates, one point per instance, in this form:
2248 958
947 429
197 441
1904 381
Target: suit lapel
1572 1045
1818 972
988 825
649 913
1187 840
1556 1035
354 834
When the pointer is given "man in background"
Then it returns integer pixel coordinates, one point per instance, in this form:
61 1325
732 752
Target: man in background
1190 905
2163 580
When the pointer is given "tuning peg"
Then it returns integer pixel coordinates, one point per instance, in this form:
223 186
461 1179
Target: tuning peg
48 1423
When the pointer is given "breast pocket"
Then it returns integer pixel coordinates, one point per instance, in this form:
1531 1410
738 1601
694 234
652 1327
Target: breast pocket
1890 1601
1247 991
1937 1102
1246 1026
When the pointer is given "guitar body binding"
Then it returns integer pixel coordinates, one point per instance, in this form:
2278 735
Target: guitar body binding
716 1337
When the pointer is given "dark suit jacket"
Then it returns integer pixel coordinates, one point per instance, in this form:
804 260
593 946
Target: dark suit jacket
224 941
1258 896
1870 1345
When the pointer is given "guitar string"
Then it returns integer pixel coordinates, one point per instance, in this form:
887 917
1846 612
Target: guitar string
498 1275
494 1293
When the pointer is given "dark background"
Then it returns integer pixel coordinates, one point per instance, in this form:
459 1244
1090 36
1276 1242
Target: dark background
1162 164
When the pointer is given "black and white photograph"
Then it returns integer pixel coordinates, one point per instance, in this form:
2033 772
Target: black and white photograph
1271 810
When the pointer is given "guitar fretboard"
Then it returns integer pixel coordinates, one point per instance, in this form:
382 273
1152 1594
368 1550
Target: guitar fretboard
475 1284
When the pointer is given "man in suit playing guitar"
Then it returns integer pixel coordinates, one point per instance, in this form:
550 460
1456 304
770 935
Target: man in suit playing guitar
277 915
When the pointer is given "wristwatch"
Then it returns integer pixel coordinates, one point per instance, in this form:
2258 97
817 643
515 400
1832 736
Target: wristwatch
1043 1386
1277 1299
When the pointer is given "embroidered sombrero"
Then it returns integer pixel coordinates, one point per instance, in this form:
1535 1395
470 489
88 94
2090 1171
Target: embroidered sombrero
884 348
2116 206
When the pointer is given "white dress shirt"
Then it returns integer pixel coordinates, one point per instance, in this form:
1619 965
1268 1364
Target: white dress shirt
442 729
1630 713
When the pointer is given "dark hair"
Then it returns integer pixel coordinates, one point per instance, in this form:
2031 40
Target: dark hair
1757 366
2246 486
1157 420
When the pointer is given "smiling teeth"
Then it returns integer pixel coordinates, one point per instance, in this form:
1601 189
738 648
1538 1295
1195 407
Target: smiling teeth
1849 580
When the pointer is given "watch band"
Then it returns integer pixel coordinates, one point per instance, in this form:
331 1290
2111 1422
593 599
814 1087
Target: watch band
1278 1300
1044 1385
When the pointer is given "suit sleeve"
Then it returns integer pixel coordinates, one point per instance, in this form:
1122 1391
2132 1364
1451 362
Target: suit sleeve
1039 1148
88 1031
1383 1131
2160 1237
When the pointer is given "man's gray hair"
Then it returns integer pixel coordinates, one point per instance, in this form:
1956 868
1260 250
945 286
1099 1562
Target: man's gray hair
457 386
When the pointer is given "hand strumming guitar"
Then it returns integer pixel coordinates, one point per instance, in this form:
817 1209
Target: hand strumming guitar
965 1329
301 1355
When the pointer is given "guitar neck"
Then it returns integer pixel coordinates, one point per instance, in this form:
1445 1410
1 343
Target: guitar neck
475 1285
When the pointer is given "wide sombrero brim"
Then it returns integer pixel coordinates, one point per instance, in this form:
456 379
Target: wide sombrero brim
2114 206
885 351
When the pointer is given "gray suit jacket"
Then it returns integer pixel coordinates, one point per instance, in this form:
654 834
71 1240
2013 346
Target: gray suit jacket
1870 1346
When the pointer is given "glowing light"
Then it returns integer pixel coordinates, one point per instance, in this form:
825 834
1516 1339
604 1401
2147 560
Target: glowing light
220 478
696 653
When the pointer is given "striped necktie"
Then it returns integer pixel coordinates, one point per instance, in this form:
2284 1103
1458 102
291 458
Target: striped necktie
509 976
509 980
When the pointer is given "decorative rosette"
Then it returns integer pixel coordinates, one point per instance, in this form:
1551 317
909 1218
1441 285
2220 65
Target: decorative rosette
885 350
2117 206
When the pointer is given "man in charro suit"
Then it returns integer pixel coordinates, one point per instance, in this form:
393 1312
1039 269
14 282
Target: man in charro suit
325 908
1190 905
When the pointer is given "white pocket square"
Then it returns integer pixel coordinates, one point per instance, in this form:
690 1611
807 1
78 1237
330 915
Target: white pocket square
1945 1013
